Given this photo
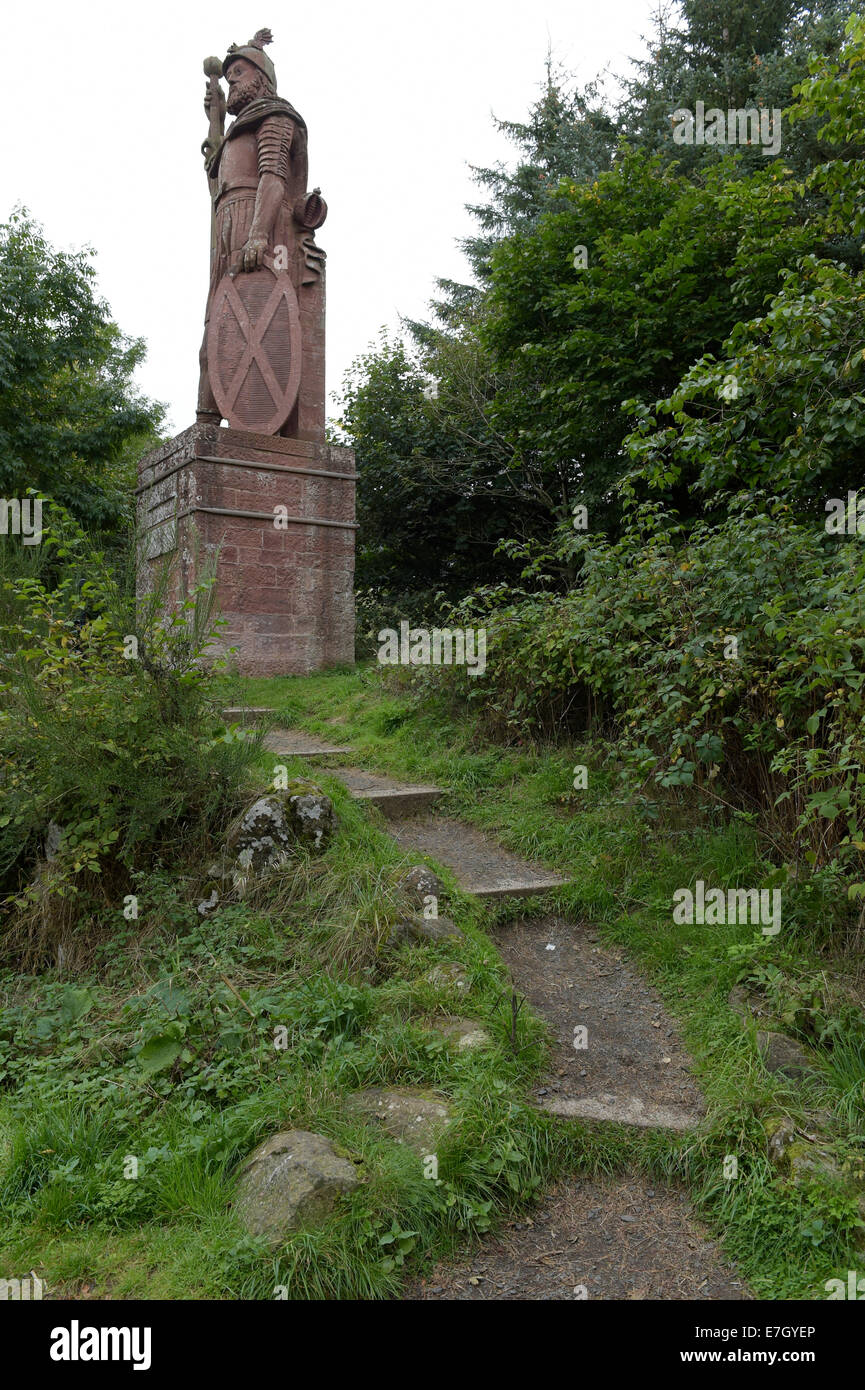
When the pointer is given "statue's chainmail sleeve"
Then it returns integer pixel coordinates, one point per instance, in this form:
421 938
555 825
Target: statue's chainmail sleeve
274 143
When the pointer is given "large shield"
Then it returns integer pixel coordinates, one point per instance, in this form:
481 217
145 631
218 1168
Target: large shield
253 349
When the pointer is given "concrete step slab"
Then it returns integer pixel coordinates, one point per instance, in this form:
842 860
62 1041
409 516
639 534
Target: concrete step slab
294 743
479 862
394 799
622 1110
246 714
616 1055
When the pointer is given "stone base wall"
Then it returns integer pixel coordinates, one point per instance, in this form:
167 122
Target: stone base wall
279 514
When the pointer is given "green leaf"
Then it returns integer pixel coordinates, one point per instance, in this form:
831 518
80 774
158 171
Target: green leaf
75 1004
158 1053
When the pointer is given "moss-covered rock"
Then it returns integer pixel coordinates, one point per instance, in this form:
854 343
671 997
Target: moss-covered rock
310 815
419 883
416 1118
461 1033
293 1178
449 975
424 929
261 839
781 1054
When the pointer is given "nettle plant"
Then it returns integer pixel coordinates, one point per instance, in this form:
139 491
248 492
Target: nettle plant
111 747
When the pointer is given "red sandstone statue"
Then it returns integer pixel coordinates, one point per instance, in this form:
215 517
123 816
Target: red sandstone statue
268 497
262 358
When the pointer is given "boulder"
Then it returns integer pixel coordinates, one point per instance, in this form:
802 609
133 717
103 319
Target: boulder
261 839
424 929
293 1178
449 975
809 1162
804 1154
780 1134
310 814
274 825
416 1118
462 1033
803 1146
418 883
781 1054
799 1159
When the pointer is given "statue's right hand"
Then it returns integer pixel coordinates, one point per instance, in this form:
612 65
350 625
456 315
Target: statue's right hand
208 101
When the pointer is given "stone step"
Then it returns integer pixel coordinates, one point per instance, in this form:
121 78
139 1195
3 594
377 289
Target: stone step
294 743
395 799
479 862
621 1109
246 714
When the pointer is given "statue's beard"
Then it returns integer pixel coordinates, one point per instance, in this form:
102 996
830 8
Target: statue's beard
243 93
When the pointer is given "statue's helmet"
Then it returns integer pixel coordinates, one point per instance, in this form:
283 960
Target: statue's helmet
254 53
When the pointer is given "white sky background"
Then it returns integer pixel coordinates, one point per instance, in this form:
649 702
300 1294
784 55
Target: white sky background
104 120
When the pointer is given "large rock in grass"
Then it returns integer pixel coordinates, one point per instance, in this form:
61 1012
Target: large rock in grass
461 1033
803 1154
419 883
416 1118
276 824
449 975
261 839
310 814
780 1135
292 1179
424 929
782 1055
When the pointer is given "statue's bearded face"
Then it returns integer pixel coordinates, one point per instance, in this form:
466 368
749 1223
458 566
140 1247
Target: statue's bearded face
245 84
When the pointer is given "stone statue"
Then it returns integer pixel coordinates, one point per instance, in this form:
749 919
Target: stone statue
268 499
262 358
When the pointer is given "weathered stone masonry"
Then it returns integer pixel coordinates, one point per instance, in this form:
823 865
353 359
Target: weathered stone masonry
286 591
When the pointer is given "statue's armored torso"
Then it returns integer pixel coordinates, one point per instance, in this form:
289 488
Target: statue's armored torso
238 167
273 144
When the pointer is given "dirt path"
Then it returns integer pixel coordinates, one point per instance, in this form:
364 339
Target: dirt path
633 1068
618 1239
621 1239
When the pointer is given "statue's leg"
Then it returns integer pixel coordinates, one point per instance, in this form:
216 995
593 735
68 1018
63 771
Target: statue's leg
207 411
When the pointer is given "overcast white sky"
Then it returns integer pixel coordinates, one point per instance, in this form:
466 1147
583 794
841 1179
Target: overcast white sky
104 120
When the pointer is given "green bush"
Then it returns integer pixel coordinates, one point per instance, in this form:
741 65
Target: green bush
377 608
729 656
108 731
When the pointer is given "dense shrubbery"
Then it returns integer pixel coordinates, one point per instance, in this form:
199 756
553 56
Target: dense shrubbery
727 657
610 260
376 609
107 729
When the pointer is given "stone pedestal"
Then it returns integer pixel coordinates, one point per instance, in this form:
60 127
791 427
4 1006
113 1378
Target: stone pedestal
280 514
